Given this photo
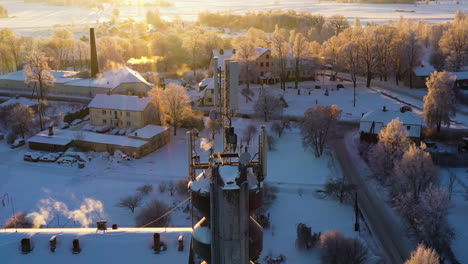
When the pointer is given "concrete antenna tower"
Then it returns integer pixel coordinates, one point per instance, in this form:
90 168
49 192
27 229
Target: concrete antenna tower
228 188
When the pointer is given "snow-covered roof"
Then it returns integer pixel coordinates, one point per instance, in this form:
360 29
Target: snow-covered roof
119 102
60 76
229 54
112 79
63 137
123 245
148 131
425 69
58 138
379 116
461 75
20 100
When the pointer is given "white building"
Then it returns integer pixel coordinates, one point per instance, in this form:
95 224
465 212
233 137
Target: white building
374 121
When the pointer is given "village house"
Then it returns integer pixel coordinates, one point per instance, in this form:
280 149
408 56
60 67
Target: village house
122 111
372 122
124 81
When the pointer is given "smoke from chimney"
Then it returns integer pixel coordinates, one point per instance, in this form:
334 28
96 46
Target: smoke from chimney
94 61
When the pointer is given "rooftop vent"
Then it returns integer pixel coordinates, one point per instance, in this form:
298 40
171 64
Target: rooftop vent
115 227
26 245
101 225
156 243
180 243
384 109
76 246
51 130
53 243
221 51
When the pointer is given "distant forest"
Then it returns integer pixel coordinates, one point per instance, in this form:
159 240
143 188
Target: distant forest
378 1
97 3
3 12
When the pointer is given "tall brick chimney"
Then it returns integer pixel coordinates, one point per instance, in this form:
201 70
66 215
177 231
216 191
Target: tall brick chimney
94 61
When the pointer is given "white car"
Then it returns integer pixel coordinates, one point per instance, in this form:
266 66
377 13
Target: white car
76 122
64 125
51 157
32 156
18 143
66 160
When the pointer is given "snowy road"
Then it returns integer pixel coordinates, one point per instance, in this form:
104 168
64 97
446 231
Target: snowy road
383 223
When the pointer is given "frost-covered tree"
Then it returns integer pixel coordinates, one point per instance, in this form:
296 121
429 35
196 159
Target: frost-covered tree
454 43
37 72
339 23
152 215
21 118
337 249
439 103
3 12
267 105
247 54
174 103
349 59
368 49
280 52
393 142
249 132
415 171
316 126
131 202
301 51
432 225
412 52
423 255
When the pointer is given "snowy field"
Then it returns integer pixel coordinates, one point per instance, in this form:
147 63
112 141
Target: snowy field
291 169
29 18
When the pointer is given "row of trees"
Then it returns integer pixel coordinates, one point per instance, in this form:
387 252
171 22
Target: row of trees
414 184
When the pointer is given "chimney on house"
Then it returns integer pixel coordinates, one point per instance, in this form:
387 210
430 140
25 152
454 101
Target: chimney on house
94 61
51 130
221 51
384 109
233 51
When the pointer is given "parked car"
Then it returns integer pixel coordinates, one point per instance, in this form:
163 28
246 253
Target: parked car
64 125
51 157
76 122
18 143
66 160
32 156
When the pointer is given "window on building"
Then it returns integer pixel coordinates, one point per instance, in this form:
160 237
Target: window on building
120 113
267 64
209 100
261 64
129 123
408 127
128 113
104 121
267 56
103 112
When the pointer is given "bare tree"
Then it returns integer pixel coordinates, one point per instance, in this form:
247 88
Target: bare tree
316 125
439 103
279 126
249 132
37 72
423 255
131 202
301 51
174 103
267 106
415 171
412 53
247 54
349 59
145 189
21 117
280 51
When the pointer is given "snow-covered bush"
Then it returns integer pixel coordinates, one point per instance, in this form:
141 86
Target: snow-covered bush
305 238
145 189
423 255
337 249
162 187
18 220
151 215
182 187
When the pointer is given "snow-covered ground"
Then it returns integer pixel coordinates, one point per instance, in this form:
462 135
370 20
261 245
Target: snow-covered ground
458 215
29 18
291 168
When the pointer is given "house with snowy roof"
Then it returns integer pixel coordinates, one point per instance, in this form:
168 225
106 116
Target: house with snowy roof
123 81
374 121
122 111
264 65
